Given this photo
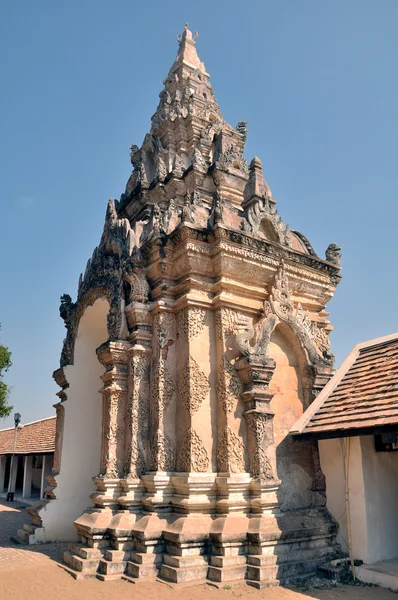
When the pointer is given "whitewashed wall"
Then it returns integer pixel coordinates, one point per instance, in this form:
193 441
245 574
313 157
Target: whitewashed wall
373 485
82 430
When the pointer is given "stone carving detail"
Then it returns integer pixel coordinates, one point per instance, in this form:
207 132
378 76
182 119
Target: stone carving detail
179 166
230 452
66 309
191 321
194 386
135 465
198 162
102 279
139 287
232 157
242 129
163 388
112 433
229 386
263 210
254 341
192 455
137 415
187 211
153 226
260 464
229 321
333 254
162 456
164 328
216 214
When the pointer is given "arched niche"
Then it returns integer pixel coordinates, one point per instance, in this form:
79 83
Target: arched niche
81 443
291 386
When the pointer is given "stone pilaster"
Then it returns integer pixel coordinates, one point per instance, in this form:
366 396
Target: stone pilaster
187 537
256 375
163 397
195 439
114 356
233 480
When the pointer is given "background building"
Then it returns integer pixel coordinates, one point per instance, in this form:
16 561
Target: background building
34 454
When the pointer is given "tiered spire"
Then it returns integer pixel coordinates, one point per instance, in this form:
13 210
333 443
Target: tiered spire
187 54
188 131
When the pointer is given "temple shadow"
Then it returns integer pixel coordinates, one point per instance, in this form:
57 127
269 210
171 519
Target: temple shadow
13 516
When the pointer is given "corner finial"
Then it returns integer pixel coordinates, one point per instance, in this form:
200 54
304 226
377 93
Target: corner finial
186 35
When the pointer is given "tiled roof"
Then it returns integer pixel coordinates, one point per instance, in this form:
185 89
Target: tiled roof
33 438
362 395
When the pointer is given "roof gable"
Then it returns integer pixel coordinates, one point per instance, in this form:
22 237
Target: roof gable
361 396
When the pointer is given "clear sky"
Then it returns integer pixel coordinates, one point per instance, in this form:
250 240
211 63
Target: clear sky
315 79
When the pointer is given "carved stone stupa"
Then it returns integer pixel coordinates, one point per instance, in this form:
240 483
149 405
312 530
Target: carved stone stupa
204 316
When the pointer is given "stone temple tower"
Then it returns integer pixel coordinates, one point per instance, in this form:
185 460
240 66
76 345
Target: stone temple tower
202 316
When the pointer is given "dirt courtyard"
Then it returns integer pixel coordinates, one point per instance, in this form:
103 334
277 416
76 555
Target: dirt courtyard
29 573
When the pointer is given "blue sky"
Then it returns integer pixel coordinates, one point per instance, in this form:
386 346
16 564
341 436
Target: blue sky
316 81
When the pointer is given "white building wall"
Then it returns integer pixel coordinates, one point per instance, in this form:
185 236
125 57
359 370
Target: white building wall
373 489
332 464
380 471
82 430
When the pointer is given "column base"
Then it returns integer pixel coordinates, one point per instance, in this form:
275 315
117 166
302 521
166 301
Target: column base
264 496
107 492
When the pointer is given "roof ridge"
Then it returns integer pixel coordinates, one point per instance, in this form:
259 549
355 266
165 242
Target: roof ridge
31 423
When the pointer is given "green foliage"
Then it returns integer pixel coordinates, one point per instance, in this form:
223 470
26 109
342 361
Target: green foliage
5 364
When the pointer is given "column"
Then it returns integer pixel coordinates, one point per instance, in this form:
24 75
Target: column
13 474
27 477
3 462
113 355
162 410
137 406
43 476
256 373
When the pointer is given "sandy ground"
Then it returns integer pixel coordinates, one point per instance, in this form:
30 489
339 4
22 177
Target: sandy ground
33 573
49 580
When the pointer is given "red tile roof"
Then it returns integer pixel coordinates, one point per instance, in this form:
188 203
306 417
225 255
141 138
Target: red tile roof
362 395
33 438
